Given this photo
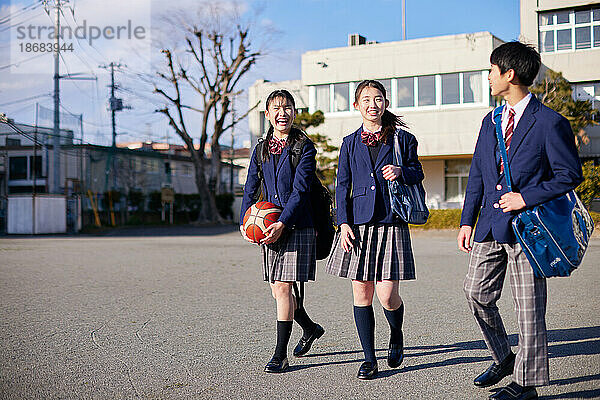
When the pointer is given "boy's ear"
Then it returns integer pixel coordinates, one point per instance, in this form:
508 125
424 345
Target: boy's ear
511 76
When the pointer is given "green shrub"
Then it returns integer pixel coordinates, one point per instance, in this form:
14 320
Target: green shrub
590 187
441 219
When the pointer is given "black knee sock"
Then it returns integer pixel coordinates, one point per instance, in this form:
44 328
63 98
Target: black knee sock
307 324
364 318
284 331
395 319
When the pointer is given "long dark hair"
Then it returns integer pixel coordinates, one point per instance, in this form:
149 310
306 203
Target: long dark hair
389 120
294 134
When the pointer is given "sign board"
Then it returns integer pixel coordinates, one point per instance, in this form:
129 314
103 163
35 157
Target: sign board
167 195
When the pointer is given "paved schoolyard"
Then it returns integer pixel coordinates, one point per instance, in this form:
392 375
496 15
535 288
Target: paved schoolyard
183 313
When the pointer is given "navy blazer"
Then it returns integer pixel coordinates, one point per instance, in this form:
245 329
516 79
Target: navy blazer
543 164
358 180
286 189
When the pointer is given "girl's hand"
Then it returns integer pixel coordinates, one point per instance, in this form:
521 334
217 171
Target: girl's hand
243 232
391 172
347 236
273 232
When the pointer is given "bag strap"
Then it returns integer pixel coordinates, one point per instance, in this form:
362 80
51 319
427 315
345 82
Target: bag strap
397 152
497 119
296 151
259 162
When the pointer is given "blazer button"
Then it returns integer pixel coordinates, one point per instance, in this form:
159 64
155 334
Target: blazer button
371 174
498 187
496 205
373 187
275 196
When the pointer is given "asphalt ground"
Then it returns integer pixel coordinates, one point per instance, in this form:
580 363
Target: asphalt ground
178 313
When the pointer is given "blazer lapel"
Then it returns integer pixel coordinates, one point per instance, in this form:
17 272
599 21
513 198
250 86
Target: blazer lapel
284 155
385 149
361 149
524 126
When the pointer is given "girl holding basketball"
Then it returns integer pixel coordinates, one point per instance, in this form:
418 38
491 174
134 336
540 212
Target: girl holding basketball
289 252
373 247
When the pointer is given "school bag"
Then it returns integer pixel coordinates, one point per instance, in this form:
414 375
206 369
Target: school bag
554 235
321 201
407 201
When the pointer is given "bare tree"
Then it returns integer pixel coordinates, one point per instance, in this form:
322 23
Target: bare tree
218 53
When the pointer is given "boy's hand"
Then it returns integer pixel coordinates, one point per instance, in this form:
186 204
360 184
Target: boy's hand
464 238
511 201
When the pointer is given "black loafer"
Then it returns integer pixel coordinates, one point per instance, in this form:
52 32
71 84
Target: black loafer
276 365
367 370
514 391
495 373
395 355
303 345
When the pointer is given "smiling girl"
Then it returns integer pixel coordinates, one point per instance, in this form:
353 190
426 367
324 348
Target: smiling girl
373 246
289 252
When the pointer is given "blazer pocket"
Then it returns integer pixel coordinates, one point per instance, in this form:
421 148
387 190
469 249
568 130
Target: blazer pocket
360 191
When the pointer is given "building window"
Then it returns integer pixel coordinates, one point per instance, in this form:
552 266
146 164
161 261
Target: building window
13 142
450 91
341 97
387 85
405 92
322 98
569 30
17 168
426 86
456 177
588 92
472 87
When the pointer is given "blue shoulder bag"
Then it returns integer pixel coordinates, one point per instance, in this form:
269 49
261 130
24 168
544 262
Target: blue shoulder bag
407 201
554 235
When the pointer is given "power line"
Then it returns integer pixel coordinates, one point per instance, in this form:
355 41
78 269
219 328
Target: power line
25 99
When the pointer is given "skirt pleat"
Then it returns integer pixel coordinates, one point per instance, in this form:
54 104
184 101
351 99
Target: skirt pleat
380 252
292 258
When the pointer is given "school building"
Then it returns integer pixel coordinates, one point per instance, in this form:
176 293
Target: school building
439 86
567 34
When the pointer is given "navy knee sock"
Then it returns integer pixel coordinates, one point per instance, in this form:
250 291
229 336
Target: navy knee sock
284 331
307 324
395 319
364 318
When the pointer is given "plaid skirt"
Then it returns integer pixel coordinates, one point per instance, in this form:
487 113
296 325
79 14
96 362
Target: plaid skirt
292 258
380 252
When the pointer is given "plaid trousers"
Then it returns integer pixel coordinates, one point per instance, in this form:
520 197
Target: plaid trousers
488 265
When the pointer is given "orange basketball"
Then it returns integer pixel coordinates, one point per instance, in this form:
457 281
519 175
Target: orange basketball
258 218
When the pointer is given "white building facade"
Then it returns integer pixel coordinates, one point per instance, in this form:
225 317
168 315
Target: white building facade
567 34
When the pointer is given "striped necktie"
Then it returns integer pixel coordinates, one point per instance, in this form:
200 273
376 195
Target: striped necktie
508 133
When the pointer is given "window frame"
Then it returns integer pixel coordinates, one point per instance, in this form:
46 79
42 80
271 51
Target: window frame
572 25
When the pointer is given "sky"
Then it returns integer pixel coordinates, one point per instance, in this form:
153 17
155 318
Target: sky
287 28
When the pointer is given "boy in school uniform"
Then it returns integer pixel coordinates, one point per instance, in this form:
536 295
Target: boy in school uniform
543 164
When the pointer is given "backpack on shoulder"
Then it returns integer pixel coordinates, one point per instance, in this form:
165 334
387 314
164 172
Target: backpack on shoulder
321 201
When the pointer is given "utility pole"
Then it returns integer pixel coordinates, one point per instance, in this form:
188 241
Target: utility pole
56 130
116 104
58 4
403 19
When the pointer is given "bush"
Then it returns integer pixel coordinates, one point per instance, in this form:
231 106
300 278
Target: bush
441 219
590 187
135 200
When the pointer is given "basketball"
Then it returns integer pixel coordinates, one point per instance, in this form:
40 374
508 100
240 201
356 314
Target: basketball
258 218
